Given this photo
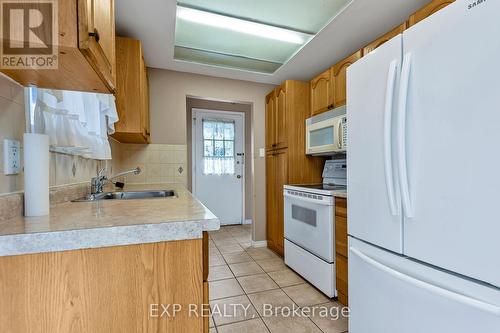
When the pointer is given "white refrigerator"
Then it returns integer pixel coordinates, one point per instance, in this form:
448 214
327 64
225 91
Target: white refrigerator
424 177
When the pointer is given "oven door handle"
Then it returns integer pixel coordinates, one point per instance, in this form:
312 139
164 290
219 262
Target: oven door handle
306 199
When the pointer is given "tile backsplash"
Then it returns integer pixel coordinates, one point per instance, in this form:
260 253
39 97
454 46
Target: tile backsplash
160 163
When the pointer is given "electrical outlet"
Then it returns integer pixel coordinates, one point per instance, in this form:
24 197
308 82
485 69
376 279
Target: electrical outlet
11 157
262 152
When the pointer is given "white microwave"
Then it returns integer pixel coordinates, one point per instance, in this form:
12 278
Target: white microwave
327 133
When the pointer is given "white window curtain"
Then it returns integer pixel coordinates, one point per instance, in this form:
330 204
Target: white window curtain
218 147
77 123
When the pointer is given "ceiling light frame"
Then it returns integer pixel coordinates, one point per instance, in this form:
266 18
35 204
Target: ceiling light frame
242 26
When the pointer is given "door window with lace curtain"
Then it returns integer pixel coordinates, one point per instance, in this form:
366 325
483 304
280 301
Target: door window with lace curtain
218 147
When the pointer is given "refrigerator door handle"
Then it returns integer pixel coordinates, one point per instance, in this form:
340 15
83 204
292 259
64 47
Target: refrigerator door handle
451 295
389 105
401 135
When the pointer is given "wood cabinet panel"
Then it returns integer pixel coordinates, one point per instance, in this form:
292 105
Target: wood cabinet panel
276 178
205 256
132 94
322 92
145 100
383 39
341 235
206 304
271 208
102 290
84 64
340 78
96 26
341 207
271 120
429 9
342 279
341 249
281 179
281 117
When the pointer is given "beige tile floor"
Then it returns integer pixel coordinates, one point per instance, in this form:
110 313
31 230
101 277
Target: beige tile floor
253 277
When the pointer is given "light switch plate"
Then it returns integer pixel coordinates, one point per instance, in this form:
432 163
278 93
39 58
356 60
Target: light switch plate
11 157
262 152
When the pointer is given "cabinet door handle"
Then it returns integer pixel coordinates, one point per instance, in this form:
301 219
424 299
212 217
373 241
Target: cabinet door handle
95 34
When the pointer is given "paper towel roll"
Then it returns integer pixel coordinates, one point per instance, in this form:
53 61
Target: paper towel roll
36 174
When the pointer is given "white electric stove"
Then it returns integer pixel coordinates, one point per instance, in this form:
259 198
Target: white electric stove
310 226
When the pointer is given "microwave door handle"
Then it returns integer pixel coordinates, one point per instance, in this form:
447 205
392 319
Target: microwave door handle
339 134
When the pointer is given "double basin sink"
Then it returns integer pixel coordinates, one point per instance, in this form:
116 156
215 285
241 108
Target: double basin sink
129 195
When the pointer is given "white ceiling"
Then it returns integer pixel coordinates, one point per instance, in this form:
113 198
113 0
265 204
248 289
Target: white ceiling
153 22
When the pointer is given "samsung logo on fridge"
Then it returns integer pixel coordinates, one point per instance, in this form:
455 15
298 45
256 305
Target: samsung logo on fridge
476 3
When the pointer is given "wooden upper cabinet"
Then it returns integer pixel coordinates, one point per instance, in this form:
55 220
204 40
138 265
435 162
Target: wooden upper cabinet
270 120
96 25
385 38
340 79
428 10
281 121
322 92
144 88
132 94
86 46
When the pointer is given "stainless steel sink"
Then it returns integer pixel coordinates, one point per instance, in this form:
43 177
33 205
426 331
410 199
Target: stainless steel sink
130 195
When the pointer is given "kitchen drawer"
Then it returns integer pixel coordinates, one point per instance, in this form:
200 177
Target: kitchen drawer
341 235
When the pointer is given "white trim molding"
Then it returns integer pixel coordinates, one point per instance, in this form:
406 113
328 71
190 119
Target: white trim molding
247 221
259 243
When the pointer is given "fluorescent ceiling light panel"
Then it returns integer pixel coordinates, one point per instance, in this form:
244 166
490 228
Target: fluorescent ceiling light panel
243 26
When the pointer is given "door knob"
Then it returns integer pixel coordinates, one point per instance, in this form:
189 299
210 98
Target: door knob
238 176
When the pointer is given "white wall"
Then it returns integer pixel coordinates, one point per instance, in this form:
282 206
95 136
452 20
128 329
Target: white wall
168 92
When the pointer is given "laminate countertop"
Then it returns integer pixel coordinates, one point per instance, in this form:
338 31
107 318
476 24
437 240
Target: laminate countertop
105 223
340 194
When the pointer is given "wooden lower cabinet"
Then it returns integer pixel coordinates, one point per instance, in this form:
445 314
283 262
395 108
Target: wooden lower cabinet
206 295
206 311
341 249
277 166
342 282
114 289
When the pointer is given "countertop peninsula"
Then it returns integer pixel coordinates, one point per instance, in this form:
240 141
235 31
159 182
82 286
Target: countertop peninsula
106 223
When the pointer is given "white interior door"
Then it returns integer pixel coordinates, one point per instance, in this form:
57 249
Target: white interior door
373 197
218 163
452 137
390 293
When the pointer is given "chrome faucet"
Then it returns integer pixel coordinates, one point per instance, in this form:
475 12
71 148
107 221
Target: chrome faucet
98 182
